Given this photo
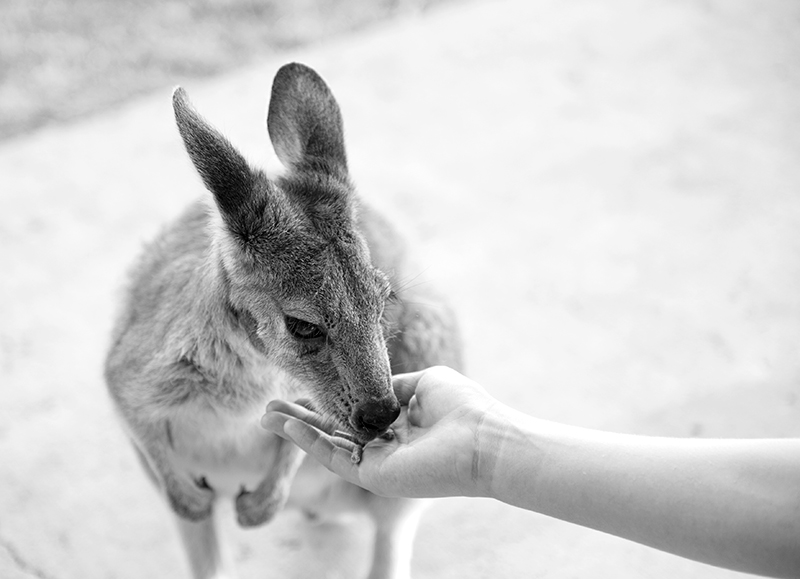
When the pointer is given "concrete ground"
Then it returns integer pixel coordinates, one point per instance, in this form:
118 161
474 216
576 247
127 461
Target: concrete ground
609 191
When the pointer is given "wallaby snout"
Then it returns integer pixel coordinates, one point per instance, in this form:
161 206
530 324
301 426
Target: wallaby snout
374 417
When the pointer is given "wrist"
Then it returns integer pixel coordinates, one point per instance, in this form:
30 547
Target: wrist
498 439
519 447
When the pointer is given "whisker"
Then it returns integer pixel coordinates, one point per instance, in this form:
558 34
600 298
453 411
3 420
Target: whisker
405 284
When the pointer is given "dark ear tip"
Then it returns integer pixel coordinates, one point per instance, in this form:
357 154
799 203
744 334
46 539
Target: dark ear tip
180 101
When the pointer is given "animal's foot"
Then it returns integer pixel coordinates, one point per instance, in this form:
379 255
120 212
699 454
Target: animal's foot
253 508
195 504
190 500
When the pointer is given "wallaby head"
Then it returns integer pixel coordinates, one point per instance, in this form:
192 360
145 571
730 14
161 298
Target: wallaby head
294 269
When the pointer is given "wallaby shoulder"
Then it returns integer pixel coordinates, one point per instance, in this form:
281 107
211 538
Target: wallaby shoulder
171 260
175 333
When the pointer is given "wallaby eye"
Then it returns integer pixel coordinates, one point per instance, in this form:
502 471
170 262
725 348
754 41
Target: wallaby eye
303 330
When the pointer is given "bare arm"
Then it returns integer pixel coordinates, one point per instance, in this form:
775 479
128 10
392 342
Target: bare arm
730 503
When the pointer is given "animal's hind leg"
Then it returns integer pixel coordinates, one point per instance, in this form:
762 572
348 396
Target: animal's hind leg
201 543
396 523
395 520
207 556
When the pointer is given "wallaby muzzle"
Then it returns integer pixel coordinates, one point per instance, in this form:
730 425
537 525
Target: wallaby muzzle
363 367
373 418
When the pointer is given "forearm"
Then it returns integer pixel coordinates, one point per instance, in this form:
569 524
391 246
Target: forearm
732 503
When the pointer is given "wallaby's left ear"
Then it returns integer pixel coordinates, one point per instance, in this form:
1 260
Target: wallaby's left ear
223 169
304 122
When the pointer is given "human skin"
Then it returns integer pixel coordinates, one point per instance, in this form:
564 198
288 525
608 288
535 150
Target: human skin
732 503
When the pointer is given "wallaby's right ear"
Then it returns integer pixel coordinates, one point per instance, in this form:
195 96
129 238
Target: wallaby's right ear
304 121
223 169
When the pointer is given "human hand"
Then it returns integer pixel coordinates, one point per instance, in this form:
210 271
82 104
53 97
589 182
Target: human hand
439 448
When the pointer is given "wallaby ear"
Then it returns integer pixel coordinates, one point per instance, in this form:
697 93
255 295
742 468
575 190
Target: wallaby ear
223 169
304 121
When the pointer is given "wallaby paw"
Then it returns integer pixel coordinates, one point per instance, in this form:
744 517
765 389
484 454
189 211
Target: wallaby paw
194 504
254 509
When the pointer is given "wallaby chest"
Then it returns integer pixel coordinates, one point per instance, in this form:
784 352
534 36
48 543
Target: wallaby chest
227 446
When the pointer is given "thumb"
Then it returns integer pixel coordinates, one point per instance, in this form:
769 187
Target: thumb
405 385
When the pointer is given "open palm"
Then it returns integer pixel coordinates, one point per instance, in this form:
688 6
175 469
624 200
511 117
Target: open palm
435 450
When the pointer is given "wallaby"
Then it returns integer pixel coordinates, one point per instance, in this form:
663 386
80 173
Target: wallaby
278 286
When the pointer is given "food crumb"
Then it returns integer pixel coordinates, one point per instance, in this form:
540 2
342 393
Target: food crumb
358 452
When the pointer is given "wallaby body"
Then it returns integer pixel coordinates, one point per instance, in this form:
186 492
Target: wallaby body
277 287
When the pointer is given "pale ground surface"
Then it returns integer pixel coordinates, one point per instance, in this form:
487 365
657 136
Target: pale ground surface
609 191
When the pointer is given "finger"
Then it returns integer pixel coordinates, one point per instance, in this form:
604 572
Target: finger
415 414
405 385
319 445
287 407
344 442
303 413
274 422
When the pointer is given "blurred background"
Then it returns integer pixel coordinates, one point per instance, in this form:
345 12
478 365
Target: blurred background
64 59
608 191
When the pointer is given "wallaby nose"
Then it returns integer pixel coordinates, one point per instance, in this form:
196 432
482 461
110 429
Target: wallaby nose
375 417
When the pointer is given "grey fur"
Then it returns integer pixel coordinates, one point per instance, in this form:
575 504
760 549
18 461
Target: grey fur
204 342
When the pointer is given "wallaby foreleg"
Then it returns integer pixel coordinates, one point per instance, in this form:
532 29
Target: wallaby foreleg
191 499
258 506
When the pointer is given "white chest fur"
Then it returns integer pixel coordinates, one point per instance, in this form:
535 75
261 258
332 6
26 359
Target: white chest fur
229 449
